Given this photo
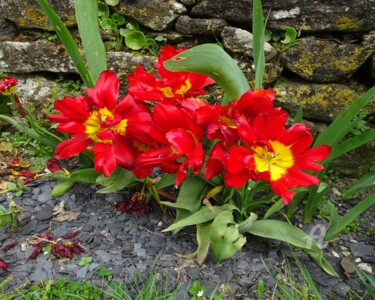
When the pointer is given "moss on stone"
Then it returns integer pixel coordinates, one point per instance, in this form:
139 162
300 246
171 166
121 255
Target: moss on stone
346 23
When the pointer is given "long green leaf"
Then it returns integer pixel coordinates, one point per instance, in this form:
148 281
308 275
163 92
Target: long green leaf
349 217
213 61
82 176
62 187
88 25
68 41
190 196
258 43
290 234
341 125
203 240
366 182
313 200
120 179
30 132
353 143
203 215
225 237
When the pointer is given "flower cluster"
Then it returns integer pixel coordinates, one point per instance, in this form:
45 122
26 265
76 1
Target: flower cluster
249 137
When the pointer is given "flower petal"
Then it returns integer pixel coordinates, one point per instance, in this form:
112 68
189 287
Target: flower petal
105 93
73 146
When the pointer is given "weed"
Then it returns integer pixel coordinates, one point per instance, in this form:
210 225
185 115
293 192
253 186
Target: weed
128 32
85 261
52 37
283 39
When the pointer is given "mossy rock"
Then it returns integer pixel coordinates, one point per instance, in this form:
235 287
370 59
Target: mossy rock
325 60
28 13
323 102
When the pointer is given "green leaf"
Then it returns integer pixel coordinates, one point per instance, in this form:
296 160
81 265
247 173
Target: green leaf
334 230
62 187
104 272
85 261
226 240
135 40
277 206
203 215
88 26
342 124
118 19
30 132
203 240
112 2
290 35
190 196
352 143
315 197
213 61
334 217
258 43
103 10
125 32
366 182
274 229
83 176
68 41
120 179
191 193
5 217
166 180
108 24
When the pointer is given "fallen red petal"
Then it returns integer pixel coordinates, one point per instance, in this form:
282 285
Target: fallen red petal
53 166
3 265
10 246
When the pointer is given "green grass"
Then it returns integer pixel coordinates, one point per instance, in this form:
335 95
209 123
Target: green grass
288 286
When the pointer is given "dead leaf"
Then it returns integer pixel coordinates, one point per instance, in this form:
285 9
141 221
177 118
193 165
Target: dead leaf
61 215
6 146
348 267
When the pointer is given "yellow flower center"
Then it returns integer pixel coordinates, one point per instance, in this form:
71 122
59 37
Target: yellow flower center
230 122
98 121
277 162
167 91
184 88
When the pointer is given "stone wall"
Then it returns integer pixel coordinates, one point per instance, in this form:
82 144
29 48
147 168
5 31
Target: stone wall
331 64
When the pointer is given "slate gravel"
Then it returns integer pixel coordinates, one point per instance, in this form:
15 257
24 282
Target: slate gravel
128 245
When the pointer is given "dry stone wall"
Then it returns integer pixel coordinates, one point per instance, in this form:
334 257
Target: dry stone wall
334 52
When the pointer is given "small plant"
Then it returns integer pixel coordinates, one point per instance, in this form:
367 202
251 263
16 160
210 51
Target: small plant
105 273
361 126
61 289
52 37
11 216
17 188
131 34
85 261
284 39
197 292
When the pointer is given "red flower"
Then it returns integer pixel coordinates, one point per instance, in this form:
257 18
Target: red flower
118 132
7 85
220 121
3 265
274 154
170 87
180 147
